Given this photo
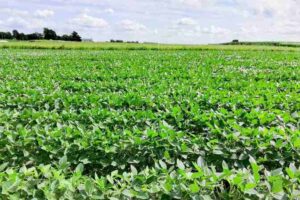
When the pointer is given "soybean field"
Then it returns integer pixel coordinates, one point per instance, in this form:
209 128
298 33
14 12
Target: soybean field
149 124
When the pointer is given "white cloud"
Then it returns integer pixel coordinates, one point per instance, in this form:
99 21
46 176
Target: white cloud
269 18
214 30
20 22
277 10
186 22
14 12
44 13
278 7
17 21
17 18
198 3
249 29
97 11
85 11
191 27
129 25
88 21
109 10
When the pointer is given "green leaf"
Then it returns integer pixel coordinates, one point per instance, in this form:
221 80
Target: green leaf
79 169
110 179
133 170
206 197
7 186
194 188
201 162
128 193
255 169
168 186
180 164
152 133
218 152
290 173
250 186
89 187
224 165
277 185
3 166
162 164
63 162
297 143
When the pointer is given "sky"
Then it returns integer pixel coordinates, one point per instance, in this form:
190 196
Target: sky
163 21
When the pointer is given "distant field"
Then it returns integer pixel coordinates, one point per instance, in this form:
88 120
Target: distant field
142 46
274 44
144 124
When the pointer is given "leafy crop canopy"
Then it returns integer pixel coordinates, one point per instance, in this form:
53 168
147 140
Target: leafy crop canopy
79 124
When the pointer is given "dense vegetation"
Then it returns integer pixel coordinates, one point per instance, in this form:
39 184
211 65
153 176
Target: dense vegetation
46 44
211 124
48 34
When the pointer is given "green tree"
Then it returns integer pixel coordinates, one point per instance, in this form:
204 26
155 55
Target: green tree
75 36
16 35
5 35
49 34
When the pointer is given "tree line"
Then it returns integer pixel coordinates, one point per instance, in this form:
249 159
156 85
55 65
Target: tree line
47 34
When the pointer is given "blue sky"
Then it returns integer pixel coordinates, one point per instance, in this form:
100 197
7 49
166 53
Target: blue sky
166 21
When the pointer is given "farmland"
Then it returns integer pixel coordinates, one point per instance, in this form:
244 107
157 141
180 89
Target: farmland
178 123
46 44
